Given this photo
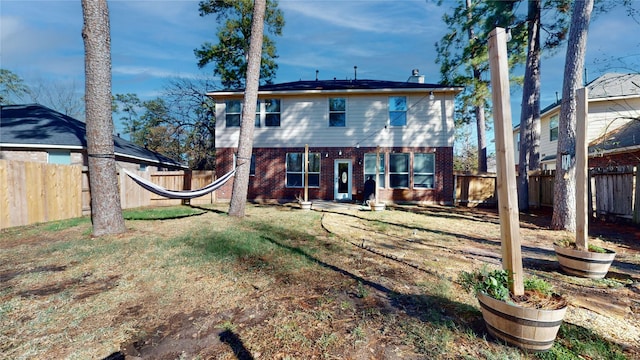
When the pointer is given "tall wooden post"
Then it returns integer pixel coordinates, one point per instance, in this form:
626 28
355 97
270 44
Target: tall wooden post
377 173
582 169
306 172
506 168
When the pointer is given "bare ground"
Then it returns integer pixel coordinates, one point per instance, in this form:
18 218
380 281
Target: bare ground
366 286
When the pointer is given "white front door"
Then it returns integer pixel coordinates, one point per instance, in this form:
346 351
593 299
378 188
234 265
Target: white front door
342 177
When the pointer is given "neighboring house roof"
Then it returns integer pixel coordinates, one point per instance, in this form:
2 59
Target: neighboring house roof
622 139
607 86
306 86
37 126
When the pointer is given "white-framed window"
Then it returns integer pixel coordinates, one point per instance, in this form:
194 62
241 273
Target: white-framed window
370 168
61 157
233 112
424 170
397 110
399 170
553 128
295 170
252 166
337 112
271 112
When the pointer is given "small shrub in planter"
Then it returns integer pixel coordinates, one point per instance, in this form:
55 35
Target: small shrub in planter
530 321
591 263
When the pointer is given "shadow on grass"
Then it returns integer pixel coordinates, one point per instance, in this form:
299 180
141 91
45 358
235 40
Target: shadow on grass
239 350
160 213
431 316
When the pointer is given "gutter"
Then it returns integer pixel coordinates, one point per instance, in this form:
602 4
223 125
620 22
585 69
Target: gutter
339 91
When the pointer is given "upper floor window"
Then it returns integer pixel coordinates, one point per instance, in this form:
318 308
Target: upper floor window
423 170
553 128
370 168
295 170
397 110
271 112
399 170
233 112
337 112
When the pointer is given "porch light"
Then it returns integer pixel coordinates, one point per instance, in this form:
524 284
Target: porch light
431 97
340 153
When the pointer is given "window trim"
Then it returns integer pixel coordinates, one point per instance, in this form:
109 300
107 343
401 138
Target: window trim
555 118
227 113
407 173
266 113
405 111
287 172
380 184
252 165
433 173
337 112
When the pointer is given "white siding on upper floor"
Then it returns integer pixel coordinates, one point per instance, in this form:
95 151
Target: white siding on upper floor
305 120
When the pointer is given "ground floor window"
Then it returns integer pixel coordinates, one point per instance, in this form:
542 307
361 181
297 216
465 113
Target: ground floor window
423 170
398 171
295 170
370 168
252 166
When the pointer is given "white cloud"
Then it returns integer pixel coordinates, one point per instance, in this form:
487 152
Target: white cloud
397 17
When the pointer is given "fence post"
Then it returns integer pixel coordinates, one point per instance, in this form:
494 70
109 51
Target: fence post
186 184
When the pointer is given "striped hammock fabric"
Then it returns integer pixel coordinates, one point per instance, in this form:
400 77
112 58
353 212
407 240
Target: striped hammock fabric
179 194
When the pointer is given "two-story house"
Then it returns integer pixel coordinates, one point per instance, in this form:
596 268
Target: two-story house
344 122
614 103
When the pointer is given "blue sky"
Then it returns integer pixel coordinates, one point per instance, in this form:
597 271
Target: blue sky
153 41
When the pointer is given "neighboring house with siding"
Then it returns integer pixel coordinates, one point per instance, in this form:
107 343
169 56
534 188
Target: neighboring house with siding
613 114
343 122
37 133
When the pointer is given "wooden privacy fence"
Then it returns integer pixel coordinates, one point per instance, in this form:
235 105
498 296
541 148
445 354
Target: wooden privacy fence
133 195
614 192
35 192
475 189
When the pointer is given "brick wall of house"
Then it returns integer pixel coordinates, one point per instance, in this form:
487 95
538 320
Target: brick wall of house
623 159
269 182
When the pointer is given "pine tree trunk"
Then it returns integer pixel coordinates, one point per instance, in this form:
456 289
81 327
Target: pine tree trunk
479 108
530 115
106 211
564 198
245 143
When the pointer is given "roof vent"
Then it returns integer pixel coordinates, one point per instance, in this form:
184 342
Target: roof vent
416 77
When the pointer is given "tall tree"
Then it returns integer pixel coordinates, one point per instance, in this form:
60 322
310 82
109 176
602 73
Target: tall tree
194 112
564 197
463 59
12 87
106 211
245 143
530 113
128 105
63 96
230 53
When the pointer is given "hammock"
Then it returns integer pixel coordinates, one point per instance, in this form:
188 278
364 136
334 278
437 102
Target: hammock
179 194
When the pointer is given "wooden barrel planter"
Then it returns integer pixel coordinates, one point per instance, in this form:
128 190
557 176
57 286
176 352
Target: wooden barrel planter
584 263
526 328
